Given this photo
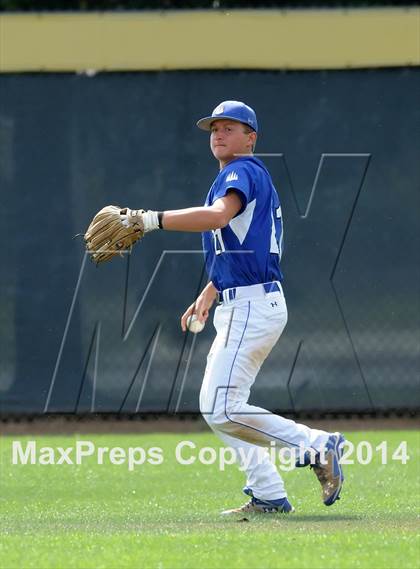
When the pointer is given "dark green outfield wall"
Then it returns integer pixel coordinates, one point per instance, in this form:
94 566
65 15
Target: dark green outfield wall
75 338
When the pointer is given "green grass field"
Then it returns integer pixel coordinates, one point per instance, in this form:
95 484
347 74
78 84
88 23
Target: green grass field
167 515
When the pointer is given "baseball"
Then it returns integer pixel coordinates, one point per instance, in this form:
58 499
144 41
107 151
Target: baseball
194 325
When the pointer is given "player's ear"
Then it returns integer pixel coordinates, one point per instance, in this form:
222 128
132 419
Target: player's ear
253 139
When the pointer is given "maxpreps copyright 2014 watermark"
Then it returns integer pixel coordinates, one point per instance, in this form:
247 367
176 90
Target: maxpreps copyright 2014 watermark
187 453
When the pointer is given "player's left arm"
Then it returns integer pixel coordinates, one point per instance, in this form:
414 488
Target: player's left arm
193 219
207 218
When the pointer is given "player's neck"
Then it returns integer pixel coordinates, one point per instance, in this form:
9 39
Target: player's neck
223 163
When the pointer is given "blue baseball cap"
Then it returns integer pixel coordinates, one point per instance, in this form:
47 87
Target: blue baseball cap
233 110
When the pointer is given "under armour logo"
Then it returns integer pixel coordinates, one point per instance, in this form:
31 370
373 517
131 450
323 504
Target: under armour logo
273 304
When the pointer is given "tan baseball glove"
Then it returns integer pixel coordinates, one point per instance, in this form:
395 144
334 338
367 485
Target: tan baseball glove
112 231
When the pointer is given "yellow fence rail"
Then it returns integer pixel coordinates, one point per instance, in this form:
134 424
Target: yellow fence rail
240 39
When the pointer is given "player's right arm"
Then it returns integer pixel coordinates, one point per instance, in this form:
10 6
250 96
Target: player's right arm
201 306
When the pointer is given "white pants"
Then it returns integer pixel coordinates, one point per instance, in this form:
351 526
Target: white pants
247 329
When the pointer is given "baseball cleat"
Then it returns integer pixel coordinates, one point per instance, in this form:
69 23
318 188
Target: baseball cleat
329 471
256 506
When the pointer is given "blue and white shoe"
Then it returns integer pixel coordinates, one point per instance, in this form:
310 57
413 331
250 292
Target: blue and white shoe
328 469
257 506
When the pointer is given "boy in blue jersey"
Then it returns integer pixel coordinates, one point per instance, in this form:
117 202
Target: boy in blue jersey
242 230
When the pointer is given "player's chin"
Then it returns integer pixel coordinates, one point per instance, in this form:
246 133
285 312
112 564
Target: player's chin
221 152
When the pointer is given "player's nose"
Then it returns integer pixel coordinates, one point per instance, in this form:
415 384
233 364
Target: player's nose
217 133
219 137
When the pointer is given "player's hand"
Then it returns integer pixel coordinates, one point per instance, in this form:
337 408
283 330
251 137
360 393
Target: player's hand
109 235
201 306
131 216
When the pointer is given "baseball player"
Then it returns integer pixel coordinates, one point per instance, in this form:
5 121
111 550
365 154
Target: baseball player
242 230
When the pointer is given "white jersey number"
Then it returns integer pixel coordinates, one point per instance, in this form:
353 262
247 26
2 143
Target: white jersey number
219 245
276 244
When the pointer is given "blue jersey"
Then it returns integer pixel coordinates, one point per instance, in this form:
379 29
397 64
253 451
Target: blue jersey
248 250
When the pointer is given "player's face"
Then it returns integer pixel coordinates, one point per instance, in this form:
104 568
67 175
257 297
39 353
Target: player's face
228 139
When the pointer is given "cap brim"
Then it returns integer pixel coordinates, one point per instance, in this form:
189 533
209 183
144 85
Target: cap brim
205 123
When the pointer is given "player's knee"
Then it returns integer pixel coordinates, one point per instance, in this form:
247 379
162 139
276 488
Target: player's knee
214 417
213 414
218 416
215 420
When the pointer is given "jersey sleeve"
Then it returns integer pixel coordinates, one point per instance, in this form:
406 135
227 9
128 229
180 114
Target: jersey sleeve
238 179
